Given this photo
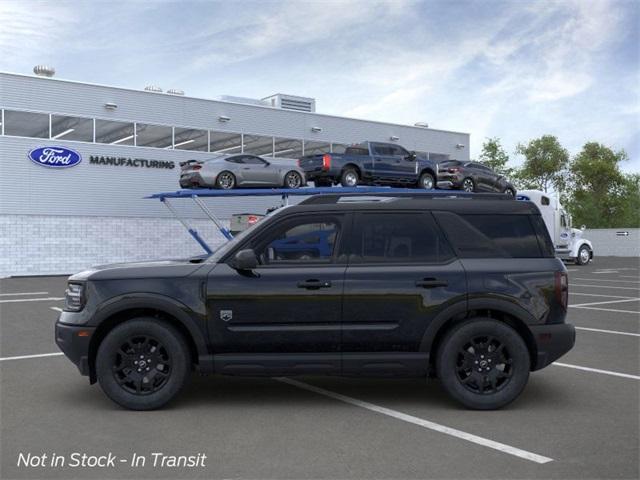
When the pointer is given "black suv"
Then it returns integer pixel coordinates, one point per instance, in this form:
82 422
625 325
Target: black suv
467 289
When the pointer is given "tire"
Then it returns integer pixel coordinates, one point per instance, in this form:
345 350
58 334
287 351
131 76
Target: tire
152 346
506 372
292 180
426 181
584 255
225 180
349 178
509 191
468 185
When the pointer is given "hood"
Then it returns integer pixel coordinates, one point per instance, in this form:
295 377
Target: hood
148 269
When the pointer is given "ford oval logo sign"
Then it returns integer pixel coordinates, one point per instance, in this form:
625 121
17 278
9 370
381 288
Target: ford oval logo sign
55 157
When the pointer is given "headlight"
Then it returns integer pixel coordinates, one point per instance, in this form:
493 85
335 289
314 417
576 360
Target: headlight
74 297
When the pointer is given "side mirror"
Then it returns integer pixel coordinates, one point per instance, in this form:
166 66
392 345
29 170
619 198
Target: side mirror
245 260
412 156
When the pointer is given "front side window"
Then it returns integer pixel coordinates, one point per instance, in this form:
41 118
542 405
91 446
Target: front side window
398 238
308 240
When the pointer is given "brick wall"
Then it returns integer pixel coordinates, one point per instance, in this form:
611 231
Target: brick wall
49 245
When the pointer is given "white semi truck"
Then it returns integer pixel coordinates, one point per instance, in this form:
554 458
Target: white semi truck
567 241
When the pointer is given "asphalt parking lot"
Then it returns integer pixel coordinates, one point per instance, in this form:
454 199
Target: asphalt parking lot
578 418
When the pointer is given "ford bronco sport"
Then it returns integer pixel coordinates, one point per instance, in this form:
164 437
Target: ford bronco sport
466 289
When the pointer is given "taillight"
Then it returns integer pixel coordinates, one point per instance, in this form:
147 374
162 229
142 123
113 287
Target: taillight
562 289
299 162
196 167
326 161
453 170
252 219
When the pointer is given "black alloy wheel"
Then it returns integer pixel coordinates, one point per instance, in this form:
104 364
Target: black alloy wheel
143 363
483 363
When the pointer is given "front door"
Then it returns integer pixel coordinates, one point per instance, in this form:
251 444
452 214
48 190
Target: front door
401 274
257 171
292 301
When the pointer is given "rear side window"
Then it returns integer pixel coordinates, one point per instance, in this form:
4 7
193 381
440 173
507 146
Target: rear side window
490 236
544 239
398 238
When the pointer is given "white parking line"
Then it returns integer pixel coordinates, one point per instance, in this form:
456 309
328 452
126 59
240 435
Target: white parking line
23 357
603 303
22 293
609 310
605 272
57 309
597 295
14 300
485 442
608 331
605 286
597 370
605 280
628 276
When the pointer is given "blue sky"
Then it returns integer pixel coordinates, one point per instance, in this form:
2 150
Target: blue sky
515 70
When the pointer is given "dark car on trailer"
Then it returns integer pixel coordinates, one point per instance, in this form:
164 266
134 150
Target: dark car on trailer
467 289
472 177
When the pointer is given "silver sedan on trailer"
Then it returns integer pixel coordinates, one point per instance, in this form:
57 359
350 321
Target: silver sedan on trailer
241 170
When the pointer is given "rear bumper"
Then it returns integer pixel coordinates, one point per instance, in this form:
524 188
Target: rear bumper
191 180
74 341
552 342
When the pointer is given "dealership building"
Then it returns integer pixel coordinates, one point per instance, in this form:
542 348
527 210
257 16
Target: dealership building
127 144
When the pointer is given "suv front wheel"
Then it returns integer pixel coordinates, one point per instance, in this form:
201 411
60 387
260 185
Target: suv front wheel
143 363
483 364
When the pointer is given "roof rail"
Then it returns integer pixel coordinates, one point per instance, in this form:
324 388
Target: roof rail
356 197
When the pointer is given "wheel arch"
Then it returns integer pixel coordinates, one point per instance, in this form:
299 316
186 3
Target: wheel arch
501 310
430 171
155 306
353 166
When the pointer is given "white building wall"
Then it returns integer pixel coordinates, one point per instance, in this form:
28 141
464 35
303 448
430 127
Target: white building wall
608 241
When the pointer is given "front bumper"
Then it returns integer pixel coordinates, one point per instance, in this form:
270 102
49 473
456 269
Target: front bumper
74 341
552 342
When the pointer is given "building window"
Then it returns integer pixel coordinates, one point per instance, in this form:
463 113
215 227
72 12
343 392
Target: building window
258 145
157 136
71 128
287 148
338 147
114 133
314 148
190 139
26 124
225 142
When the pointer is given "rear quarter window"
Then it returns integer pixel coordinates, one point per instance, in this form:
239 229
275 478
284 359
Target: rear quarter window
490 236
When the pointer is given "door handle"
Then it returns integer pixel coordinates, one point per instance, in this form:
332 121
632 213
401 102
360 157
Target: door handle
314 284
431 283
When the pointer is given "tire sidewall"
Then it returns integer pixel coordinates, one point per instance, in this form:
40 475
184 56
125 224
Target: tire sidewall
453 343
225 173
473 184
171 339
343 177
293 172
579 257
421 181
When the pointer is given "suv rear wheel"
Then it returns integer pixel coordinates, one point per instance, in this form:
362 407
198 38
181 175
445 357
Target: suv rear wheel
483 364
142 363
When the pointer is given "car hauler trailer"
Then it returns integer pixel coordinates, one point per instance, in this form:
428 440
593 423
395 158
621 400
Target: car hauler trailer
567 241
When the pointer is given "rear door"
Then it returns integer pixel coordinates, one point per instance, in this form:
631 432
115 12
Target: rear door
401 274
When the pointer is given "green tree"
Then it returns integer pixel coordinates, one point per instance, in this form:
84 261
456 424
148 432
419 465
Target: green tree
494 156
601 196
544 165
